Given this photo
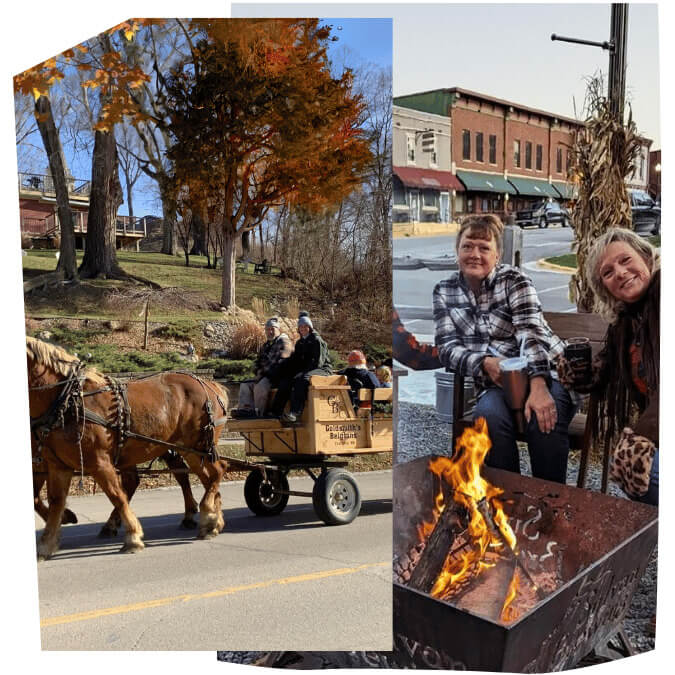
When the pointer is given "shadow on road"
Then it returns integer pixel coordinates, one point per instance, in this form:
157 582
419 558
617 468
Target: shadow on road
81 540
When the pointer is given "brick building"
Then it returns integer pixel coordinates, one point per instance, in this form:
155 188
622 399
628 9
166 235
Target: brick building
424 185
39 218
655 173
507 155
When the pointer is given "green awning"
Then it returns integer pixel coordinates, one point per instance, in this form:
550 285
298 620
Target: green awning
566 190
531 187
485 182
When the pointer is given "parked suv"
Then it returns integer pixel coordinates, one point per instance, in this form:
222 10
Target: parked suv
543 213
646 213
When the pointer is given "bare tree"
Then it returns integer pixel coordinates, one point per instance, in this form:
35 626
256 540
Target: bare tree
128 152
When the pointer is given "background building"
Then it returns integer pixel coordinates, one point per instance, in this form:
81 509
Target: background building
424 185
655 173
507 155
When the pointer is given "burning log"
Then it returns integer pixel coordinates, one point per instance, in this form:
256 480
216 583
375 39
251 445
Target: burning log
436 550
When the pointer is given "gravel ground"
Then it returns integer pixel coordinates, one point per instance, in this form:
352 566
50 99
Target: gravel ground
421 432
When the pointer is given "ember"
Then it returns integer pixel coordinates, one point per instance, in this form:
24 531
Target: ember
584 551
486 542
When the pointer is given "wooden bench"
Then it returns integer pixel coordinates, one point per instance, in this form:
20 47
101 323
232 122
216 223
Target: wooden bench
262 268
564 325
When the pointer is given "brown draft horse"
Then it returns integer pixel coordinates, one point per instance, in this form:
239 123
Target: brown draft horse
130 482
169 407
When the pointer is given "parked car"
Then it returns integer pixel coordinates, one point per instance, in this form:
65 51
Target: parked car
646 213
543 213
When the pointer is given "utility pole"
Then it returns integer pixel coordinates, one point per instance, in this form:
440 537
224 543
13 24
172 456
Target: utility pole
616 46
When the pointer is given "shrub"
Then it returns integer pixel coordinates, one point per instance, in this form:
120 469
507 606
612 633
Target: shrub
260 308
376 353
233 370
292 307
179 330
247 339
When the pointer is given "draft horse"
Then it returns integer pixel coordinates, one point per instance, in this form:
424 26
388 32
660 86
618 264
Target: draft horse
130 482
86 422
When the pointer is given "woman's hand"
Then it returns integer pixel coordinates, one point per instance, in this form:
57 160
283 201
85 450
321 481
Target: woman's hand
491 368
572 375
541 403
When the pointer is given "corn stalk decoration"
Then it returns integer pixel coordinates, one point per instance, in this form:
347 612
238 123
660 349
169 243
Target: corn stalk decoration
603 156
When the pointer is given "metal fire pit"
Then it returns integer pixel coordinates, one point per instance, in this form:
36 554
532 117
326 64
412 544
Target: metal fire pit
599 546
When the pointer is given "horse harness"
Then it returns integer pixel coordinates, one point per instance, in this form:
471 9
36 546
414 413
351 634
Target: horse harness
72 396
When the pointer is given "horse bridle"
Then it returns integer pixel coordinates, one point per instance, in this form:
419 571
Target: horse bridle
72 396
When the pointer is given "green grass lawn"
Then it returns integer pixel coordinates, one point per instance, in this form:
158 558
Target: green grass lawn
167 271
570 259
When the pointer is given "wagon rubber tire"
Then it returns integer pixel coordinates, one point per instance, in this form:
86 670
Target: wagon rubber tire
336 497
259 493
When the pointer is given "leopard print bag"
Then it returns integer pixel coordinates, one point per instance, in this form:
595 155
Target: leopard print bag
631 463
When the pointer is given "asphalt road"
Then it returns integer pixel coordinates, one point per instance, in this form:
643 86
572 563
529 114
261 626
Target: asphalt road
414 288
283 583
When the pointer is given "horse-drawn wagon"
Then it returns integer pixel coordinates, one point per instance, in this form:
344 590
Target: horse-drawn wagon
86 423
330 429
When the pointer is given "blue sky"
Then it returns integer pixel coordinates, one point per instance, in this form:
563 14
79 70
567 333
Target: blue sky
370 40
359 40
505 50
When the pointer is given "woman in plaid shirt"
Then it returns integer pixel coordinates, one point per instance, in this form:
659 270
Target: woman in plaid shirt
487 304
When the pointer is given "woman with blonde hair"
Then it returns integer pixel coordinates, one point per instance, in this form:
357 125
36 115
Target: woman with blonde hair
624 272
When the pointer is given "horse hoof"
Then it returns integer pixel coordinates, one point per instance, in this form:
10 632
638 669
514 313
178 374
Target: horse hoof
209 534
107 532
42 557
68 517
188 524
132 548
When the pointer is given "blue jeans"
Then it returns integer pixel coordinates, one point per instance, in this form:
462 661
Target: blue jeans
548 452
652 494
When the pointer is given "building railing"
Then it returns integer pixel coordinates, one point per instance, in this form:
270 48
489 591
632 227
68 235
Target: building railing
128 225
124 225
37 182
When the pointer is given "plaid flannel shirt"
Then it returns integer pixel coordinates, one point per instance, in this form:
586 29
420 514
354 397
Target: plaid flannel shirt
272 356
506 311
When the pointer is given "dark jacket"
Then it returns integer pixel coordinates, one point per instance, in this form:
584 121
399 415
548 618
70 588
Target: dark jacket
272 357
360 378
617 396
311 353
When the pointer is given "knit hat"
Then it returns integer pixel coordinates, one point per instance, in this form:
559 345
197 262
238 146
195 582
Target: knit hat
304 320
273 322
356 357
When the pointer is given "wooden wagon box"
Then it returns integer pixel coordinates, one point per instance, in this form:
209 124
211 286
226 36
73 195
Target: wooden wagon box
329 425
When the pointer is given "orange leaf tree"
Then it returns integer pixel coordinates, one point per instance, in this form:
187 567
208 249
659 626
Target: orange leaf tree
105 72
258 120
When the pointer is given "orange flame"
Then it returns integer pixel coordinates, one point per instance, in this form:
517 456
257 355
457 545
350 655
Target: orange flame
509 612
462 473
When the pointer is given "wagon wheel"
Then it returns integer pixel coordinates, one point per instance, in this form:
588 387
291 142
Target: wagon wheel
336 497
260 492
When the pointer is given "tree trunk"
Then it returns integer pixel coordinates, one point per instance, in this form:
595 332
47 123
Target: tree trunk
227 297
100 257
169 245
57 166
130 203
198 235
246 245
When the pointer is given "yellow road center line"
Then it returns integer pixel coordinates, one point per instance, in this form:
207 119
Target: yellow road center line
160 602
